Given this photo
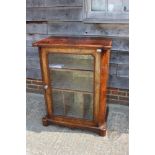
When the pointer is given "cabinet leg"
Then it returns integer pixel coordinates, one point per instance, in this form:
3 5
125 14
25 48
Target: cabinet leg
45 121
102 132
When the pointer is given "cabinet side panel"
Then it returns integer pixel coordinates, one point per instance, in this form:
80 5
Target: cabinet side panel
104 78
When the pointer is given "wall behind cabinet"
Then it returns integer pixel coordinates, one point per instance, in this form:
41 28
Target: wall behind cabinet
65 17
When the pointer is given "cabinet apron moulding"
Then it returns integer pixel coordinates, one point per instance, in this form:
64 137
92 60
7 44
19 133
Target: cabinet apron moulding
75 74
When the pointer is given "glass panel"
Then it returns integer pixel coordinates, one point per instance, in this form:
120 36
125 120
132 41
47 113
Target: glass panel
72 87
88 106
74 103
71 61
115 5
58 106
98 5
112 5
126 5
72 79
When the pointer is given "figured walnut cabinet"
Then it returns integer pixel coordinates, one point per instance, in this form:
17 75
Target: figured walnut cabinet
75 73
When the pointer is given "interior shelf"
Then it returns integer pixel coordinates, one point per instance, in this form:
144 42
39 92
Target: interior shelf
72 80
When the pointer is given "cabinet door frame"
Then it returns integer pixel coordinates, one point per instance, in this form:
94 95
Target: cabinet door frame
99 107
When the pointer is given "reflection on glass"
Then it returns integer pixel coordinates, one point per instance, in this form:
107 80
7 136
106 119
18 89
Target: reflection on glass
71 61
72 81
115 5
98 5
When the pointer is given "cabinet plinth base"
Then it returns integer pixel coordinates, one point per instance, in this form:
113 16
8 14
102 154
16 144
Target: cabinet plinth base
101 130
45 121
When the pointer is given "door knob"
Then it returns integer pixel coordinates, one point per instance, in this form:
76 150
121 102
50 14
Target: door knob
45 86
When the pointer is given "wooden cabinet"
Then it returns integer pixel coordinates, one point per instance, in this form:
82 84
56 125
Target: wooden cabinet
75 74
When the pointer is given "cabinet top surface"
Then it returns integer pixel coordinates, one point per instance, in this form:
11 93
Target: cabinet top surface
94 42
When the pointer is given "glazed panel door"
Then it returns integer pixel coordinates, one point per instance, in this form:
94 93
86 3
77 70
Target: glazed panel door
73 79
72 85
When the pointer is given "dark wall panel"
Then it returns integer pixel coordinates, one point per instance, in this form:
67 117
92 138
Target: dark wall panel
120 44
32 38
32 52
80 28
32 63
36 28
123 70
118 82
33 73
53 3
55 13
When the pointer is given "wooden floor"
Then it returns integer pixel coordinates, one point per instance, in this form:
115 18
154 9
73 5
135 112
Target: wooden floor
55 140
